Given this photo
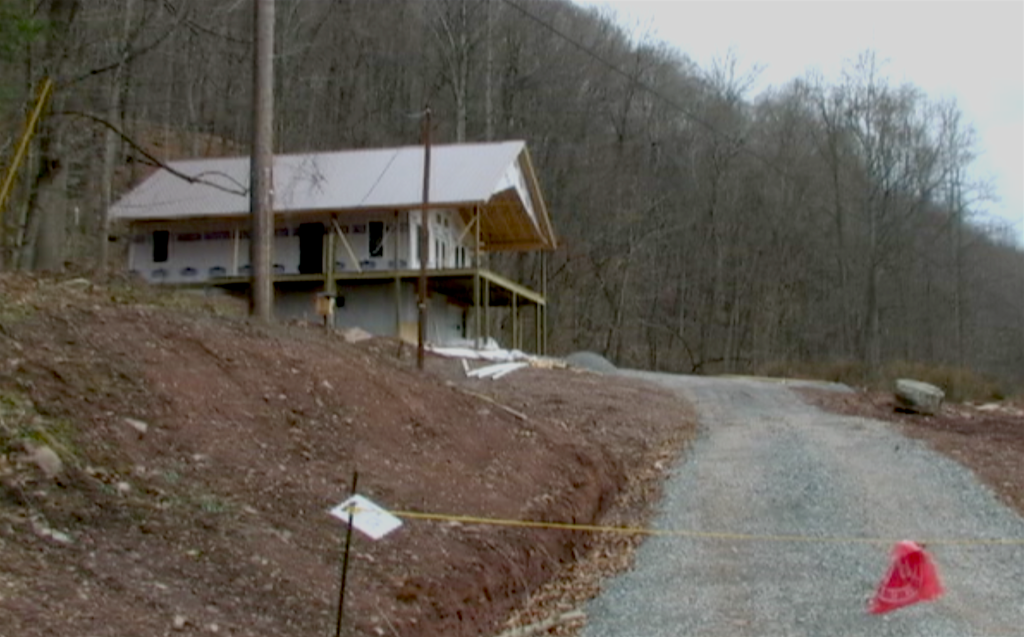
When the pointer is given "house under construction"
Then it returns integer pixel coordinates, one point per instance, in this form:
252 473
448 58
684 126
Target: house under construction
347 224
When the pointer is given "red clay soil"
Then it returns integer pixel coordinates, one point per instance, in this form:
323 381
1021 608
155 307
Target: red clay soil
214 520
988 439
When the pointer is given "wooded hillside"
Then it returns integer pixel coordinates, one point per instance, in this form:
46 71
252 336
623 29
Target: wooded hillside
705 228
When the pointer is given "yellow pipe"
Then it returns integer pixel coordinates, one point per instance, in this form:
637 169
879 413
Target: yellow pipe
19 155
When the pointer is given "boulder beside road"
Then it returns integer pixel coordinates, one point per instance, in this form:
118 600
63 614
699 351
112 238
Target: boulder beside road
918 396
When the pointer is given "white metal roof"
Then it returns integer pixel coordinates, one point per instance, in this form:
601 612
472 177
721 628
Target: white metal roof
497 176
386 178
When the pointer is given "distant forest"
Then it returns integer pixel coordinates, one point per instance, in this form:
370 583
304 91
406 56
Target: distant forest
704 228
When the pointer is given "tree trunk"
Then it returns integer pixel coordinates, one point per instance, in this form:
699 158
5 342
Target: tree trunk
488 79
47 223
110 147
51 215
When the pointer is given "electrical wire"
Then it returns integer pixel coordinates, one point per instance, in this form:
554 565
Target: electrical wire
674 104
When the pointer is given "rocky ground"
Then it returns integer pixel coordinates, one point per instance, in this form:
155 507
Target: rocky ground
166 468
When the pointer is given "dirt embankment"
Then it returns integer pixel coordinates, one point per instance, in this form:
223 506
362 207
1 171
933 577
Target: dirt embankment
213 519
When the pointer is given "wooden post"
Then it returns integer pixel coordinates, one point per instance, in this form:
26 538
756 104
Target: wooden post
544 293
398 278
487 309
344 563
537 328
235 248
261 198
476 278
421 300
515 321
348 247
330 285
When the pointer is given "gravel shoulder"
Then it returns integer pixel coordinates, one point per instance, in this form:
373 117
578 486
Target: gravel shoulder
766 463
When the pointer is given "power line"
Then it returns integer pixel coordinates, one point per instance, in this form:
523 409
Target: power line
683 110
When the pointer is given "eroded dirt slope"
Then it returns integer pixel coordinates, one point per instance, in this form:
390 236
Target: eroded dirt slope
214 519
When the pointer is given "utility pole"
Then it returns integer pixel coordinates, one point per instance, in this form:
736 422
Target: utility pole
261 165
424 249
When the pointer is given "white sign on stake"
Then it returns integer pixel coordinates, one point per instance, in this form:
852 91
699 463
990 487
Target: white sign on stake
367 518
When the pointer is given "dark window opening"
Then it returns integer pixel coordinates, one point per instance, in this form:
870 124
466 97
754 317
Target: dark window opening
311 248
376 238
161 240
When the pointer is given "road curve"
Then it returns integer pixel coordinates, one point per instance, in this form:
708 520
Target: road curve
767 464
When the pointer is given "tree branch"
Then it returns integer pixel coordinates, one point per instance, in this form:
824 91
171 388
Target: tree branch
192 179
128 55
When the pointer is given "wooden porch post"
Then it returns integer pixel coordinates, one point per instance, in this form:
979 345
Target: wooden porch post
398 278
544 293
515 321
329 282
476 277
235 241
537 327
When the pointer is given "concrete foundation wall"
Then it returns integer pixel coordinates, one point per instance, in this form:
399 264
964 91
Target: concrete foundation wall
372 308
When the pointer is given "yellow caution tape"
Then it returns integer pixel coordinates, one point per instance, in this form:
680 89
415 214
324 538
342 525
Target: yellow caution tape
703 535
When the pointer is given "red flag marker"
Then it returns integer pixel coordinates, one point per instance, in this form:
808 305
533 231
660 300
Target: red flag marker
911 578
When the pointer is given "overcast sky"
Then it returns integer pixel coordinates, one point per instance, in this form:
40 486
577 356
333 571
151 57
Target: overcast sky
972 50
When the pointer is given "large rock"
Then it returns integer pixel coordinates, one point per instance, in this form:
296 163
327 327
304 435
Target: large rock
47 460
592 361
920 397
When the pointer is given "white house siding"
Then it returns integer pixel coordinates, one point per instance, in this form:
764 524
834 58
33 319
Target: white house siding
356 228
198 253
446 227
194 254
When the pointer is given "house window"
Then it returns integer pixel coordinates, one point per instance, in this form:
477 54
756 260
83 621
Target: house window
161 239
376 238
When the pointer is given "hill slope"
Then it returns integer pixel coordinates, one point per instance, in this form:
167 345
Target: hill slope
213 519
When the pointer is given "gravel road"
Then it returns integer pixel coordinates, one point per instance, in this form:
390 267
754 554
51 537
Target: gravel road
768 464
